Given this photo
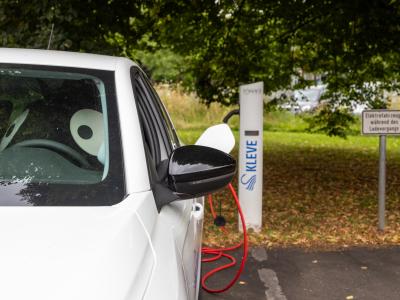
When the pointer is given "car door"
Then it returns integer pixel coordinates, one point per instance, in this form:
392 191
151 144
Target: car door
184 217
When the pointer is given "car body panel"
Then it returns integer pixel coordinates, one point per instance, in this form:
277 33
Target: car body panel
134 157
59 58
126 251
75 252
191 254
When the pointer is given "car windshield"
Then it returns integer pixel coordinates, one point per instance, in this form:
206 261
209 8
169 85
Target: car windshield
55 134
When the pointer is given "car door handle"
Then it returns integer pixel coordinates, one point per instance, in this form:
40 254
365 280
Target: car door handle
198 211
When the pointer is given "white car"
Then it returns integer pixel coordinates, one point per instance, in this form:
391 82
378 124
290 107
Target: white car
91 171
308 99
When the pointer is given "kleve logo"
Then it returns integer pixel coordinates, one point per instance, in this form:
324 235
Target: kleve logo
249 183
249 180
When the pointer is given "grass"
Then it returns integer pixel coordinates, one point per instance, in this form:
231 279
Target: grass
319 191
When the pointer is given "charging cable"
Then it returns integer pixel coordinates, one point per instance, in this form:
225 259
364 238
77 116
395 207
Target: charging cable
214 254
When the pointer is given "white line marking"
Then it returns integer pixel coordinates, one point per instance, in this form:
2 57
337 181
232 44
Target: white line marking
271 282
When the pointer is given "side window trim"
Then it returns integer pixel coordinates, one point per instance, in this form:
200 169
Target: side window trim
160 122
154 133
151 121
169 126
149 135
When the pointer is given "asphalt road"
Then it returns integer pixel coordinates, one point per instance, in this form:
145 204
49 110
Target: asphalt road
293 274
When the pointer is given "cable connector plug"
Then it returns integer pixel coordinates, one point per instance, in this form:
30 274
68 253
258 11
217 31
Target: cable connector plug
219 221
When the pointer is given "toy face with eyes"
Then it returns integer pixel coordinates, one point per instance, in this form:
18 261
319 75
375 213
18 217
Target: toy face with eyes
87 129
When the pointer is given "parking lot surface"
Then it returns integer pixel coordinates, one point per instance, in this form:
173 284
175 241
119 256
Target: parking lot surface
279 274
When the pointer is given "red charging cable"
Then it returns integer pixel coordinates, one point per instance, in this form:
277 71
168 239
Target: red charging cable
221 252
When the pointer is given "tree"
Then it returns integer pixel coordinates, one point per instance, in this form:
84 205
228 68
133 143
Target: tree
92 26
228 43
354 43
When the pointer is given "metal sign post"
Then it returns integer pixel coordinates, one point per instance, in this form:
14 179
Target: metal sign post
381 122
382 182
251 153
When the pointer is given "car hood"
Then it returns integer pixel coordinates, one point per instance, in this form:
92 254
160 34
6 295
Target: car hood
73 253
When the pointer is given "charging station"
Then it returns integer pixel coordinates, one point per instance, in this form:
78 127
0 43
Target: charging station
251 153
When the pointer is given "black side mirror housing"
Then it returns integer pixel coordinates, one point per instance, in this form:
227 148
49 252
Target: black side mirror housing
195 171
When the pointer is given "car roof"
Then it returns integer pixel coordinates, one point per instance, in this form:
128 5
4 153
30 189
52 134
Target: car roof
61 58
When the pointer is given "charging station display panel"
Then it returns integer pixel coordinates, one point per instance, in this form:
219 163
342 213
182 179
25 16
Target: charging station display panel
251 153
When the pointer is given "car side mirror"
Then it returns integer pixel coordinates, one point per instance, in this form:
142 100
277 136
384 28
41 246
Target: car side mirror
195 170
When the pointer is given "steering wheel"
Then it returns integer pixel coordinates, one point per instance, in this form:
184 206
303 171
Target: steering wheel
56 146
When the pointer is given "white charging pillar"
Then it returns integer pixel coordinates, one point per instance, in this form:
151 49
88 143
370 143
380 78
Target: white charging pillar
251 153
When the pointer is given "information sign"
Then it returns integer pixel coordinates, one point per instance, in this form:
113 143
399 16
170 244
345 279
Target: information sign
381 122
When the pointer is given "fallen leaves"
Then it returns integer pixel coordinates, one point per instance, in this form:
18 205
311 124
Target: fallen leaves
325 198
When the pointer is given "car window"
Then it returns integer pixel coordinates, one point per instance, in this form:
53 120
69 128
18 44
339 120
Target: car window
55 126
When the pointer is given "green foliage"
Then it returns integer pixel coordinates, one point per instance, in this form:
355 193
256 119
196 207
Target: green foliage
215 46
164 66
229 43
284 121
78 25
353 44
332 122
